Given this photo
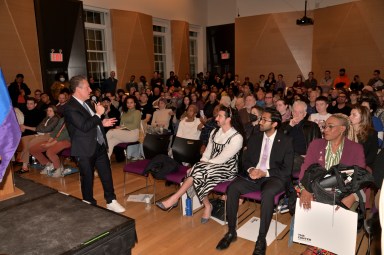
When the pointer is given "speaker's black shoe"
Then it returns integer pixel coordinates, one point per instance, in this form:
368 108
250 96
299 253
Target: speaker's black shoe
226 241
261 247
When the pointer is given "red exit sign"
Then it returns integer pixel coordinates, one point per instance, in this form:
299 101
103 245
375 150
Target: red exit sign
225 55
56 57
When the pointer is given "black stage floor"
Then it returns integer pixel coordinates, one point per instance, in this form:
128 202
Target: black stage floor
44 221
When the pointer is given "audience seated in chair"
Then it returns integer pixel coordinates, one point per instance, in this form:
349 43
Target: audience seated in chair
269 172
128 131
43 130
58 141
218 163
302 131
188 126
32 116
335 148
162 116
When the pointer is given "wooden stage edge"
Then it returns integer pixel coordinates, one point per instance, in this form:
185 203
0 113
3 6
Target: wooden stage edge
7 187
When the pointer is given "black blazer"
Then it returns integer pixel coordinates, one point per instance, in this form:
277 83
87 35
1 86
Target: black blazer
82 128
280 160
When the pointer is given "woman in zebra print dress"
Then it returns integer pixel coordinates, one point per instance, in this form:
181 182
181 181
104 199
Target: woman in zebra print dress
218 163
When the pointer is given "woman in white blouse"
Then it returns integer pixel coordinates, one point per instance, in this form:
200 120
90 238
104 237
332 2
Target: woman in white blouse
188 127
162 116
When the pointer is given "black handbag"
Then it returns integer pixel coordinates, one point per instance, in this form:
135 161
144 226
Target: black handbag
160 166
332 186
218 209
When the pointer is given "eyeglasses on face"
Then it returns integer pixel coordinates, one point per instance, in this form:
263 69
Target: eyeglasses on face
265 120
331 126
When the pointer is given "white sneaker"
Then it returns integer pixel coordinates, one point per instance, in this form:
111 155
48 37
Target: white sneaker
115 206
66 171
57 173
48 168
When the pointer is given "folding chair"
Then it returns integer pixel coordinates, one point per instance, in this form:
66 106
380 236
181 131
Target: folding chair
187 151
183 150
221 188
153 145
256 196
125 147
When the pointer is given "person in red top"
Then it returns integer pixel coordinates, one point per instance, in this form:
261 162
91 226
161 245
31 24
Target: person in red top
342 81
18 92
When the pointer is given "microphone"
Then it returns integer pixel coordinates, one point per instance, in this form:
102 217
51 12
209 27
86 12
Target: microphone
94 99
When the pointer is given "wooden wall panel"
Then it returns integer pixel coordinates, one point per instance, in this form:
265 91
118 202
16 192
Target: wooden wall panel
180 47
264 44
132 37
347 36
19 51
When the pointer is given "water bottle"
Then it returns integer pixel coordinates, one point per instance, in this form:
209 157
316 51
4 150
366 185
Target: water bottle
147 199
188 206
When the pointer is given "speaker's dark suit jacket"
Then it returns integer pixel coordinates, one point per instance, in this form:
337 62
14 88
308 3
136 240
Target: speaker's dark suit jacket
82 128
280 160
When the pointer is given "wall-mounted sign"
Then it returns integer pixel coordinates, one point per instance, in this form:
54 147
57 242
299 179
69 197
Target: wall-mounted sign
56 57
225 55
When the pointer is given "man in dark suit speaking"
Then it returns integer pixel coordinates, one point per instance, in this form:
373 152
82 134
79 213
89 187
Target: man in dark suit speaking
89 144
268 161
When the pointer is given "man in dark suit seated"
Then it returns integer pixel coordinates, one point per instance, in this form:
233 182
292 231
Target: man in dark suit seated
268 161
89 143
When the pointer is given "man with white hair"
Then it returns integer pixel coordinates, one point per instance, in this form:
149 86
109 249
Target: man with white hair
300 128
303 132
244 113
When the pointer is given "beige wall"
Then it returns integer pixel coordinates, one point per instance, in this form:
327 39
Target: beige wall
343 36
347 36
132 38
19 51
180 47
192 11
271 43
225 12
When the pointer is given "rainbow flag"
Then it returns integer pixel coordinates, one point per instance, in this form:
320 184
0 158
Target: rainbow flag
10 133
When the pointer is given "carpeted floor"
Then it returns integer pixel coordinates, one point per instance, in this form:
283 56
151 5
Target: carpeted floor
44 221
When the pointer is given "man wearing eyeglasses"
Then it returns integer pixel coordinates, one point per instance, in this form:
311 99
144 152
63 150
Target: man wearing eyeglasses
269 172
341 105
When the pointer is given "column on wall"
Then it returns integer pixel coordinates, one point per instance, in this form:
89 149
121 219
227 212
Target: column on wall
19 50
133 51
180 47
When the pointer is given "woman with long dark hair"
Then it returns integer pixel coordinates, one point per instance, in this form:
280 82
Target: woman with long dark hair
218 164
128 131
